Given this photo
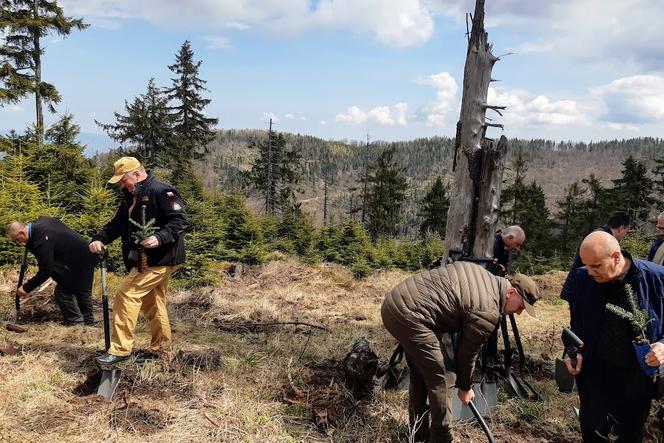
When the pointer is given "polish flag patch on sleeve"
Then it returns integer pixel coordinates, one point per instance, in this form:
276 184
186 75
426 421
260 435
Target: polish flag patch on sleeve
176 207
170 194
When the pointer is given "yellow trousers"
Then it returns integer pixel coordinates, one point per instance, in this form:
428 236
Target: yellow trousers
146 292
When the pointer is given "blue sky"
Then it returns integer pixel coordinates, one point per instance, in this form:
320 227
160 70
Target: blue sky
580 69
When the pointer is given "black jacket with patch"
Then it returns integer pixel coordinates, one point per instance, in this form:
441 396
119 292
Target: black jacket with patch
61 254
161 202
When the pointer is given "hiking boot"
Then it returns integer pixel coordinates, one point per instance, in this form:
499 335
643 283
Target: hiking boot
110 359
70 324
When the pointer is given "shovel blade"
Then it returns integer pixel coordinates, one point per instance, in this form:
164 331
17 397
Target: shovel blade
564 379
517 387
485 400
110 378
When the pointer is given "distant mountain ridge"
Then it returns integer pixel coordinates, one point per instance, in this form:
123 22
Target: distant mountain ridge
554 165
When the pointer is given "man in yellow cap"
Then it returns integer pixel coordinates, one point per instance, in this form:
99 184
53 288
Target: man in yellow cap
151 254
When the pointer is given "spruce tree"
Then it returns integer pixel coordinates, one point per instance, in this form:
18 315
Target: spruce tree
275 171
21 200
25 22
192 129
59 167
658 181
147 126
511 196
532 215
598 205
571 217
433 209
633 191
386 195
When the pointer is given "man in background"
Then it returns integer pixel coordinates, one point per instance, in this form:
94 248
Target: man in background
656 254
618 225
62 255
508 240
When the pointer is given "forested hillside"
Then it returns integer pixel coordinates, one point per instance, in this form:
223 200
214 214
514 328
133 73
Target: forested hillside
553 165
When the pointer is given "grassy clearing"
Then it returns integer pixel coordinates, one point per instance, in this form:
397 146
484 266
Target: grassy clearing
232 380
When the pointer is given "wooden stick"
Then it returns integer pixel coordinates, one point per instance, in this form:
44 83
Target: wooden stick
210 420
277 323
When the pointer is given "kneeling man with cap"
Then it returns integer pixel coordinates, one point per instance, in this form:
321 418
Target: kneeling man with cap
144 288
459 297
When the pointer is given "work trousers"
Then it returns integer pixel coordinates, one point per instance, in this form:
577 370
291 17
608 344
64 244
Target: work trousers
142 292
625 393
76 307
429 378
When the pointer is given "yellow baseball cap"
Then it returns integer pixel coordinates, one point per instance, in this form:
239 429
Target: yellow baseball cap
122 166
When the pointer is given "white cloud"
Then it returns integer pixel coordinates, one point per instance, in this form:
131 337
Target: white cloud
525 109
399 23
633 100
619 127
303 118
237 26
289 116
382 115
625 32
103 23
217 42
323 122
530 48
438 112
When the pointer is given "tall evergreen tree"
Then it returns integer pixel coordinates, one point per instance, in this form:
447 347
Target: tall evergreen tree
59 167
275 171
658 181
25 22
572 217
510 198
192 129
433 209
147 126
20 199
533 216
385 196
598 205
64 132
633 191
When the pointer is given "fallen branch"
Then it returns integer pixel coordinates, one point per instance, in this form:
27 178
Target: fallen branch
276 323
298 392
210 420
15 328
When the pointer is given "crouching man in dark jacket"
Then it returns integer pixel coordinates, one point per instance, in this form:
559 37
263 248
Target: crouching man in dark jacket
63 255
459 297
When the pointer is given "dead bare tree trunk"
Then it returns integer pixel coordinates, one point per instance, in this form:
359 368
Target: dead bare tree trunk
478 162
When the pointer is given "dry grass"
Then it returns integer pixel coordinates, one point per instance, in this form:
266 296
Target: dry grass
254 384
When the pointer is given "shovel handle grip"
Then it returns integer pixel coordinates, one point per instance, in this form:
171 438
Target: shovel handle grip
481 421
104 300
21 276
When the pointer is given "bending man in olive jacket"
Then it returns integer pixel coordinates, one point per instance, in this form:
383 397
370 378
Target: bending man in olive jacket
459 297
63 255
143 289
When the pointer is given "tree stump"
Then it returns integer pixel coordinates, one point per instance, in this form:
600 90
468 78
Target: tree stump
360 366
